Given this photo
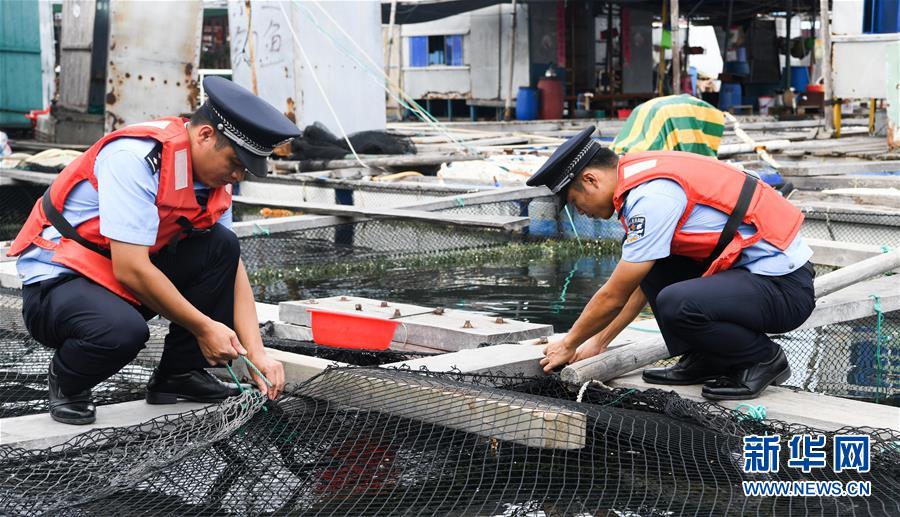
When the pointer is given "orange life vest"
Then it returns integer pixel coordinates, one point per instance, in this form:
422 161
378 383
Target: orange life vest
709 182
179 211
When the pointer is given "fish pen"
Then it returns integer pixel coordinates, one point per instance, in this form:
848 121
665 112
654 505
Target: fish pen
368 437
390 442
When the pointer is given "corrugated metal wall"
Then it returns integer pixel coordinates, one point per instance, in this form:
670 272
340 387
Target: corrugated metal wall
20 62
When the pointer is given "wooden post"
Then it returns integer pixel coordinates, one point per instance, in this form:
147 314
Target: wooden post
871 116
787 54
836 113
825 27
507 110
390 49
661 70
676 49
836 280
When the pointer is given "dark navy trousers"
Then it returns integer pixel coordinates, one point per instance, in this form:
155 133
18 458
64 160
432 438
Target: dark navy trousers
726 316
96 333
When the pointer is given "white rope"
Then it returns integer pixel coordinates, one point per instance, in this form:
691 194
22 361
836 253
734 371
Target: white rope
760 150
585 386
315 77
423 114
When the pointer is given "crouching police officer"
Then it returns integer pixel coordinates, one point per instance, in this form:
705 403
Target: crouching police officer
139 225
715 251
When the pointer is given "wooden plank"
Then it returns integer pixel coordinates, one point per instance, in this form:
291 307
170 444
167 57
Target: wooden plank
834 182
855 302
496 222
840 254
854 197
868 268
457 406
9 277
76 42
399 160
837 167
797 407
305 222
39 431
40 178
446 331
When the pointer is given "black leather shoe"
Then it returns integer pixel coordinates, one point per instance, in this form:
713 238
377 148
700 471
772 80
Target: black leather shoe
690 369
197 385
750 382
77 409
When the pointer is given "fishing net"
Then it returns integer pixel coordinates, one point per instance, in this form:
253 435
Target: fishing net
876 229
24 362
318 143
16 201
393 442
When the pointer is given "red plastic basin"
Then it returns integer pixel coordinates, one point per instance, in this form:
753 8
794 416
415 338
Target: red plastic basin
348 330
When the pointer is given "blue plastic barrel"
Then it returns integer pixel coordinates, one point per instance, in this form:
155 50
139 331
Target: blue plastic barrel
799 78
527 103
729 95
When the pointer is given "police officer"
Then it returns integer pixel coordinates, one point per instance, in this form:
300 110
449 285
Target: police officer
714 251
139 225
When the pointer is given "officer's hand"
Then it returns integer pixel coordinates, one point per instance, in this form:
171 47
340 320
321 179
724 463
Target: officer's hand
219 344
556 354
274 372
590 348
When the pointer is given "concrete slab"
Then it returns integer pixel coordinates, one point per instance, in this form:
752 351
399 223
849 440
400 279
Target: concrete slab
451 330
9 277
458 407
798 407
521 358
40 431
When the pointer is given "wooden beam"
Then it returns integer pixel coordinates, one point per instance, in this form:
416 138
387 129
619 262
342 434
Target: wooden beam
495 222
40 178
840 254
837 167
400 160
874 266
797 407
305 222
855 301
833 182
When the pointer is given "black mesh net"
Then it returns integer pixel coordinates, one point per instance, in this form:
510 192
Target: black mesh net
24 362
389 442
318 143
16 201
876 229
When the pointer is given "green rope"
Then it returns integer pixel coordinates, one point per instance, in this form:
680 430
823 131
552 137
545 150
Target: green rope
259 230
562 295
879 319
885 248
460 202
256 370
622 397
234 377
757 413
572 222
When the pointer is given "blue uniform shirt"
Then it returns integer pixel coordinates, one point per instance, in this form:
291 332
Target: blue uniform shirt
125 200
653 209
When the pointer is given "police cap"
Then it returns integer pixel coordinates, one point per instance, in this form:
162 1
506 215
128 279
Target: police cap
566 162
253 126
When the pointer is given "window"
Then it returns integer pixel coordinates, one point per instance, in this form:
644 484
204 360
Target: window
436 50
